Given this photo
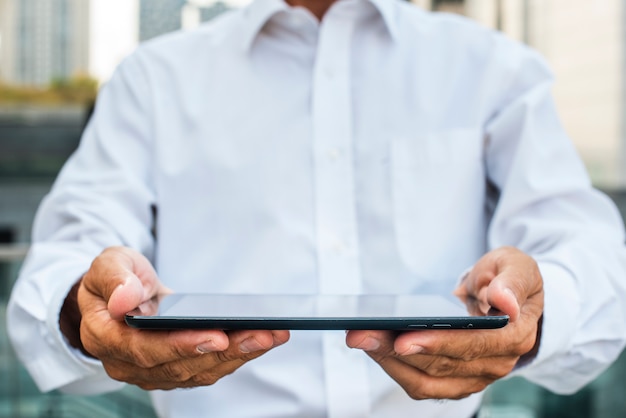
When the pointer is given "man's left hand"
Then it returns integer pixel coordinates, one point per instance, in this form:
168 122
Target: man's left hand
453 364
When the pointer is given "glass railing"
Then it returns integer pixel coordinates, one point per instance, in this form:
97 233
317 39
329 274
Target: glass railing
509 398
19 396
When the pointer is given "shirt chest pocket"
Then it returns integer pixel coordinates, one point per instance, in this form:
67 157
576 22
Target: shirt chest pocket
438 189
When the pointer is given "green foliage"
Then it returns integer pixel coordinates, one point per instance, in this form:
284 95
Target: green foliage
78 90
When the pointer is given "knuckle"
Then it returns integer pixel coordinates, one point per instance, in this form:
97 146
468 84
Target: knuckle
148 386
141 358
382 360
93 348
230 355
138 358
416 395
88 338
443 367
416 392
179 351
383 355
502 369
211 376
117 373
472 352
151 386
205 379
479 386
175 372
525 346
251 356
112 252
459 396
223 356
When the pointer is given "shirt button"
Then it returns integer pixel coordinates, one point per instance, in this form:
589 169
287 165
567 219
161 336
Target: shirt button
339 247
334 154
329 73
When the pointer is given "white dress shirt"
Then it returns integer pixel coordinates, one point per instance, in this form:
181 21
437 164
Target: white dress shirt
381 151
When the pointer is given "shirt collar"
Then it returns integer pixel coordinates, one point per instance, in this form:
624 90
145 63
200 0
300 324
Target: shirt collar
258 13
388 10
256 16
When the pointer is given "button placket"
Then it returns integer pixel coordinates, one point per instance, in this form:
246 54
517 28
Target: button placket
346 378
334 176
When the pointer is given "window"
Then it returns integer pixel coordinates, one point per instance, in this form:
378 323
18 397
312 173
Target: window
451 6
7 236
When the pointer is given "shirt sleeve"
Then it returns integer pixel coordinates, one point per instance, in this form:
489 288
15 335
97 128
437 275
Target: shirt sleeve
102 197
546 206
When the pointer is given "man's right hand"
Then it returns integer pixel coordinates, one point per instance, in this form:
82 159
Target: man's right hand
118 281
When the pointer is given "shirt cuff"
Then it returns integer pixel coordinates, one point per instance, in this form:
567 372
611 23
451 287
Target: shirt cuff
561 308
39 342
87 369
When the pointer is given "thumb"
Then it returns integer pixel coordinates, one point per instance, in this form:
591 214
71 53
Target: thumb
501 297
502 279
126 297
518 281
122 279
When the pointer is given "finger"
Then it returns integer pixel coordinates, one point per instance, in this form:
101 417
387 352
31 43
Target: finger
472 291
204 377
419 385
475 306
202 371
474 287
187 373
379 345
491 368
105 338
249 341
375 341
457 344
196 370
211 367
207 369
431 376
468 345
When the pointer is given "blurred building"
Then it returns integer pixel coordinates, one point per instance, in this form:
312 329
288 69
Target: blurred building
7 38
42 40
197 11
585 44
157 17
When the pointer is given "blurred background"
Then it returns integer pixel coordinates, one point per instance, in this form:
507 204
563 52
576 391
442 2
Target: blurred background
55 54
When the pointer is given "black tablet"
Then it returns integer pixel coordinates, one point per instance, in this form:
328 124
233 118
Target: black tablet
309 312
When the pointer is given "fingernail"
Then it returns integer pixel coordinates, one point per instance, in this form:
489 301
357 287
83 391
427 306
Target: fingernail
369 344
413 349
207 347
250 345
277 342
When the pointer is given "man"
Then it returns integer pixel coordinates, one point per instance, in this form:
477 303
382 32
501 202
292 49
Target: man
321 147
